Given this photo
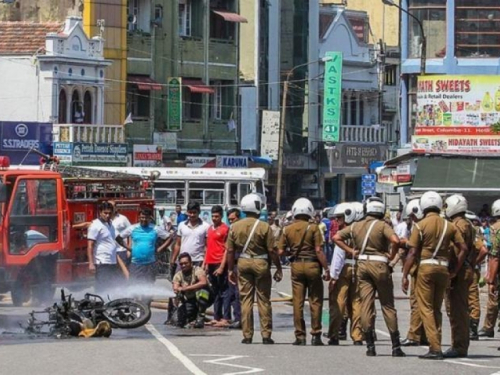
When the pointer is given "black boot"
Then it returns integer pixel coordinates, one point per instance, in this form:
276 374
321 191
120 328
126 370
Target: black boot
473 325
370 344
486 333
343 330
316 340
396 345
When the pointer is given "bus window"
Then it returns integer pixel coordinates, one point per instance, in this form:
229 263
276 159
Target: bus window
165 196
209 193
233 194
170 192
260 187
244 190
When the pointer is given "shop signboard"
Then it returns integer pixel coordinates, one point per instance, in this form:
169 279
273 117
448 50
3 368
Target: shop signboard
17 139
332 97
147 156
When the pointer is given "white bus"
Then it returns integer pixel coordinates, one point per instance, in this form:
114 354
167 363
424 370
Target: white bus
207 186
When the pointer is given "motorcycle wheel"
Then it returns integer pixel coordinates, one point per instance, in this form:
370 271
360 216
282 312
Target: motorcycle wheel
126 313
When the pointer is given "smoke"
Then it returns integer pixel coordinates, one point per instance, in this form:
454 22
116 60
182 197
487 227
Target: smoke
139 290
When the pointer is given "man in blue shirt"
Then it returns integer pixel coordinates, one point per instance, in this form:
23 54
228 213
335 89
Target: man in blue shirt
180 216
144 235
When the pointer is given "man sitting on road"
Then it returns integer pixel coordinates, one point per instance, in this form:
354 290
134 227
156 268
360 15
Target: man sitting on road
191 286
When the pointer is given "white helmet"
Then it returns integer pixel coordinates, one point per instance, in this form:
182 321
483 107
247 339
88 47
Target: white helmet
346 210
495 208
359 209
303 206
455 204
413 208
374 206
430 199
251 203
469 215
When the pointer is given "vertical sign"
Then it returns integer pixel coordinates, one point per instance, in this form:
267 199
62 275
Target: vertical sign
269 139
332 97
174 104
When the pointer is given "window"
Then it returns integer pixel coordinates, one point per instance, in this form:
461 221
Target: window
158 15
132 14
220 28
62 116
33 218
137 102
139 15
192 104
391 75
217 101
360 27
185 17
170 192
432 14
207 193
238 191
76 108
477 28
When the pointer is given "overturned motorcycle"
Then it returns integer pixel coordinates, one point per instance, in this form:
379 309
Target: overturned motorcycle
89 317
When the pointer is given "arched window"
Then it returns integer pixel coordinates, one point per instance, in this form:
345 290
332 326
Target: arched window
76 108
87 108
63 110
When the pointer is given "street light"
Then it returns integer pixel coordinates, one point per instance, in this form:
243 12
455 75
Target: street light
423 54
281 140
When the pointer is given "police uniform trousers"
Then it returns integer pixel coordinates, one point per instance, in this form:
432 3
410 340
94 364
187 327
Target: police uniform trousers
457 307
344 302
491 313
432 281
474 304
306 278
254 277
416 331
375 277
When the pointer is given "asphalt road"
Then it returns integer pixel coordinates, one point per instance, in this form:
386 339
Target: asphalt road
158 349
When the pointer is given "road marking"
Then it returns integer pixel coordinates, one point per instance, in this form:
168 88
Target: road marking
218 361
174 350
470 364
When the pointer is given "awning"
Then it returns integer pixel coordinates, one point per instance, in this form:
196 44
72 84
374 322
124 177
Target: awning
197 86
144 83
457 175
230 17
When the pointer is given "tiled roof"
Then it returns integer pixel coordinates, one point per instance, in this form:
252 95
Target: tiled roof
21 38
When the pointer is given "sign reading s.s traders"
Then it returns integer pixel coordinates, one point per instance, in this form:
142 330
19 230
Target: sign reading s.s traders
174 104
332 96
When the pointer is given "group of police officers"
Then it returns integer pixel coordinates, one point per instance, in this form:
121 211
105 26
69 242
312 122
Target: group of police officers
442 252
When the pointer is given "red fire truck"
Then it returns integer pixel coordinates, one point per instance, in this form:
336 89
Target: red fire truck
43 233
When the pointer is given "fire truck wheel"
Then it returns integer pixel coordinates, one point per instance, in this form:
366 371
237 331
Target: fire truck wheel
21 292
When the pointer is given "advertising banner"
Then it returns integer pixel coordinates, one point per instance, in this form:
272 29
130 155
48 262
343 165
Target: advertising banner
18 138
232 162
147 156
200 162
457 105
91 154
64 152
457 144
270 134
332 97
174 104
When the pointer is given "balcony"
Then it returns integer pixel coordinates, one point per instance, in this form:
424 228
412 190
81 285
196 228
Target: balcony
390 98
139 53
87 133
363 134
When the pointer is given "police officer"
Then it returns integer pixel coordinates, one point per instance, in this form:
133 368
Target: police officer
253 242
430 243
457 296
343 288
494 259
304 239
416 333
371 238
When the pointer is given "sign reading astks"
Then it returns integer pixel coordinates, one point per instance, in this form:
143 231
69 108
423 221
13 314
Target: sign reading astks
454 114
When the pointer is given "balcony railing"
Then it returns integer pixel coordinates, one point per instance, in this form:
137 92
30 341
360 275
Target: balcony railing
87 133
363 134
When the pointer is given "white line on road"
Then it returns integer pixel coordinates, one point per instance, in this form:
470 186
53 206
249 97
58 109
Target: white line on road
218 361
470 364
174 350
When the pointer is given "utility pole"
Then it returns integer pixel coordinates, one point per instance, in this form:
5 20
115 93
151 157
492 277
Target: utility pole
281 142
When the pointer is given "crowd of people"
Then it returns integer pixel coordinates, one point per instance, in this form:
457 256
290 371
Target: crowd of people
353 247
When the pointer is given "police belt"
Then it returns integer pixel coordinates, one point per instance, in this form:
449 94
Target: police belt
350 261
374 258
435 262
305 260
249 256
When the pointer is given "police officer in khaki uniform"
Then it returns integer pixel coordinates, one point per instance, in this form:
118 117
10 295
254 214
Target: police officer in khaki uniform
343 289
252 241
494 259
371 238
304 240
430 243
416 333
457 296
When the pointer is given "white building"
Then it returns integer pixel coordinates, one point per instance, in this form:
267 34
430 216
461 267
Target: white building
51 72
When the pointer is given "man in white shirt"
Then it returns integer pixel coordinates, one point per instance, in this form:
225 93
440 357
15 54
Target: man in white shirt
101 249
165 222
120 223
191 236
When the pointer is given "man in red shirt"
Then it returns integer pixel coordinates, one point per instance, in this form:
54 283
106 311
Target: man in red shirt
215 267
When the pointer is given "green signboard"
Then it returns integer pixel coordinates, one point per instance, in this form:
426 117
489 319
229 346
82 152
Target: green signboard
174 104
332 97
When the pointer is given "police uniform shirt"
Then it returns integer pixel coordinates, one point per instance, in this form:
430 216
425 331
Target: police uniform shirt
291 237
427 234
261 243
495 240
378 240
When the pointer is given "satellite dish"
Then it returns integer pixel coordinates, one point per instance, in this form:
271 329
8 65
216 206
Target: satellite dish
132 19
